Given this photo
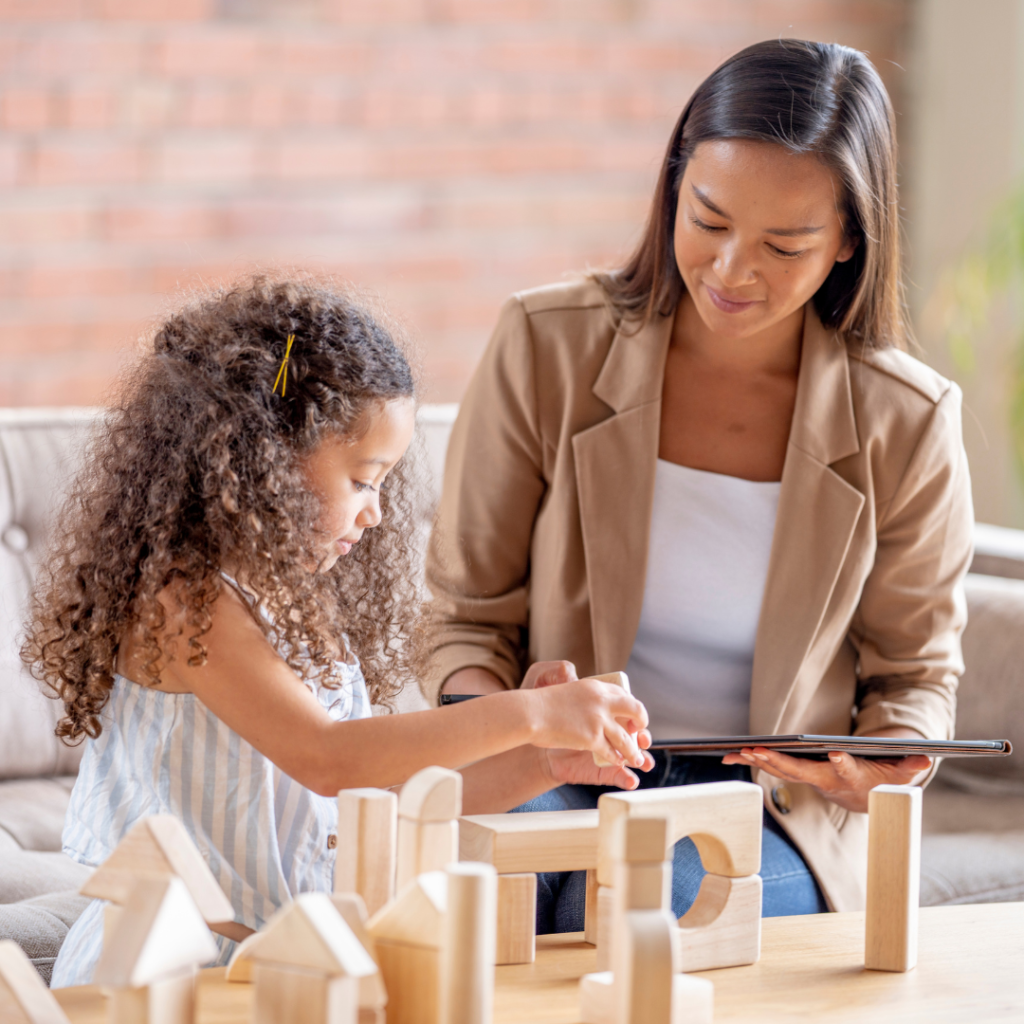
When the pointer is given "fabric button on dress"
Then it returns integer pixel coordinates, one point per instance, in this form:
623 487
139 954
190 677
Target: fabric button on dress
332 842
782 800
15 538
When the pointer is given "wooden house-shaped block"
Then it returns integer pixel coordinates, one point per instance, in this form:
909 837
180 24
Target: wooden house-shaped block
151 954
307 965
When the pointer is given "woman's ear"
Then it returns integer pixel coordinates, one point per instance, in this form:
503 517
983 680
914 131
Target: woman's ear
849 247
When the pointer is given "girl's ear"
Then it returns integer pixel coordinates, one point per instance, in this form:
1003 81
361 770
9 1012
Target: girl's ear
849 247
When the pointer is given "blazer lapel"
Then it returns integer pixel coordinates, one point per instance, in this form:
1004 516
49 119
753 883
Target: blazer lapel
817 516
616 462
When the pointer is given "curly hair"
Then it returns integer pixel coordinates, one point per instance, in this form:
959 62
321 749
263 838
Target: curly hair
198 466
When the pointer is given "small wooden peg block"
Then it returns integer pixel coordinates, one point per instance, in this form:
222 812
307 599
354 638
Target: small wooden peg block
643 968
723 927
643 886
722 818
894 878
537 841
590 913
367 837
468 950
24 997
616 679
517 919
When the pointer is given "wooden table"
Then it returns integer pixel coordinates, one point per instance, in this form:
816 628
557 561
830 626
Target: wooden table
970 969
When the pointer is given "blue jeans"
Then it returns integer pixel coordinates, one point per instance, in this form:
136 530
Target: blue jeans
789 886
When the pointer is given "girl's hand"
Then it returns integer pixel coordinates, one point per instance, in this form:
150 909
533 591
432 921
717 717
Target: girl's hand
577 767
548 673
843 779
589 715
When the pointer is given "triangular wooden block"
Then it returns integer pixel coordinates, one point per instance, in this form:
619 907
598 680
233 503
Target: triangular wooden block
159 932
159 845
24 997
416 915
433 794
309 933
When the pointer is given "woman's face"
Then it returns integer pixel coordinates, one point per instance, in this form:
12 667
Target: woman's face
346 476
758 229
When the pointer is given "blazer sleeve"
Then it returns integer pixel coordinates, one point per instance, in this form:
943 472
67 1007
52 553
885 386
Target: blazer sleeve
913 609
478 556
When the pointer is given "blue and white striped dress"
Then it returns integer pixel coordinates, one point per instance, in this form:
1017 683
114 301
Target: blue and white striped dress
264 837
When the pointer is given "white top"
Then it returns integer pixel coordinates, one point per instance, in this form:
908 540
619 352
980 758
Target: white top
265 837
711 538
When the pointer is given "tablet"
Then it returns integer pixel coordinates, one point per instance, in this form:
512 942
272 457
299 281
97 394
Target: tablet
818 747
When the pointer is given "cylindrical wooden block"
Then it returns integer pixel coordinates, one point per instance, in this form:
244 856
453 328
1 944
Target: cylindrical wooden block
468 948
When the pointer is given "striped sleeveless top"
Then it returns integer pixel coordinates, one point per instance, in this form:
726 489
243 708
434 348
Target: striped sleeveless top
264 837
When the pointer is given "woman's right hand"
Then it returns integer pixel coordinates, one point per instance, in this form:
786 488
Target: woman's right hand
584 714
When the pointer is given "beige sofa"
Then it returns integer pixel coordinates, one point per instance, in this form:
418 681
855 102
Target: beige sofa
973 850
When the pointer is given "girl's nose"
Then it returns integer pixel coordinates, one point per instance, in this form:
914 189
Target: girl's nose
370 515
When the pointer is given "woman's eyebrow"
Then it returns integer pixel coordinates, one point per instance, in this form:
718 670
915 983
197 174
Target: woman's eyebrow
702 197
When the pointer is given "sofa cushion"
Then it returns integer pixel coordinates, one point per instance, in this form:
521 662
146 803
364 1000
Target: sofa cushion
29 873
39 452
972 867
40 926
33 810
990 700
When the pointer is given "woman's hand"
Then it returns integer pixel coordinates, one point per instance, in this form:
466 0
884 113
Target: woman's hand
843 779
548 673
577 767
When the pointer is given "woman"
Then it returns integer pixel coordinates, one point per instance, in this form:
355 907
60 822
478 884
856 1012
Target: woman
718 469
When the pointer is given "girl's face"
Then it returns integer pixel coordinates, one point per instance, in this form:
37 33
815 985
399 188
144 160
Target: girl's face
346 476
758 229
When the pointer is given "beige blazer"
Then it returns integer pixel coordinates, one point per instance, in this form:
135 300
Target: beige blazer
540 548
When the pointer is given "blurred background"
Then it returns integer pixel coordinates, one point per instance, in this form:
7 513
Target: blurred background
445 153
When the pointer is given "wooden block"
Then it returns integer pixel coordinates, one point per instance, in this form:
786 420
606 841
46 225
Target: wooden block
433 794
643 968
415 917
367 837
597 998
590 913
168 1001
290 995
311 935
372 994
722 818
159 844
159 933
605 926
425 846
723 927
643 887
517 919
538 841
412 976
468 949
616 679
111 915
24 997
894 878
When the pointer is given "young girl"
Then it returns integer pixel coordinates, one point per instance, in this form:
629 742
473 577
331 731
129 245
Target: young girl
240 533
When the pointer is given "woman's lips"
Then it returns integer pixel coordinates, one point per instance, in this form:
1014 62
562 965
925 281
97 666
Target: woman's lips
728 305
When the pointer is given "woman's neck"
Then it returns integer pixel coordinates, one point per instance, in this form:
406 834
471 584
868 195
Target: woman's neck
774 351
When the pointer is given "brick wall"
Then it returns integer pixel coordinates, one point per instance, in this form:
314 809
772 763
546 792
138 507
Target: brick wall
441 153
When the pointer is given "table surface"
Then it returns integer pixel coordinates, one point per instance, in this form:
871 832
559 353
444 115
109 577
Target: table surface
970 969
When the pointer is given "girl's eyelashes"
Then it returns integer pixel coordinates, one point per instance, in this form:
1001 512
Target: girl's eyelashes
360 486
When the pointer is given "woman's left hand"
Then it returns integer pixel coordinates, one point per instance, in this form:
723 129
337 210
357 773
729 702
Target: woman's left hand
577 767
843 779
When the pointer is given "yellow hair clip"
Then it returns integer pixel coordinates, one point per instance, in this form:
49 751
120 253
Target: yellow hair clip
283 372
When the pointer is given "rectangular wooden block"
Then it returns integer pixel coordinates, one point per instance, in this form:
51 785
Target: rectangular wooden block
425 846
539 841
590 918
290 995
894 878
605 926
171 1001
367 837
517 919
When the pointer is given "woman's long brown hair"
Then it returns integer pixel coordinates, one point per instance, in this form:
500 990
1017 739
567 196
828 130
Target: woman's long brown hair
809 97
197 468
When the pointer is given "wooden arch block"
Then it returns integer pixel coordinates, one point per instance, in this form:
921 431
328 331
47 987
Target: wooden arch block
722 818
24 997
723 927
159 845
